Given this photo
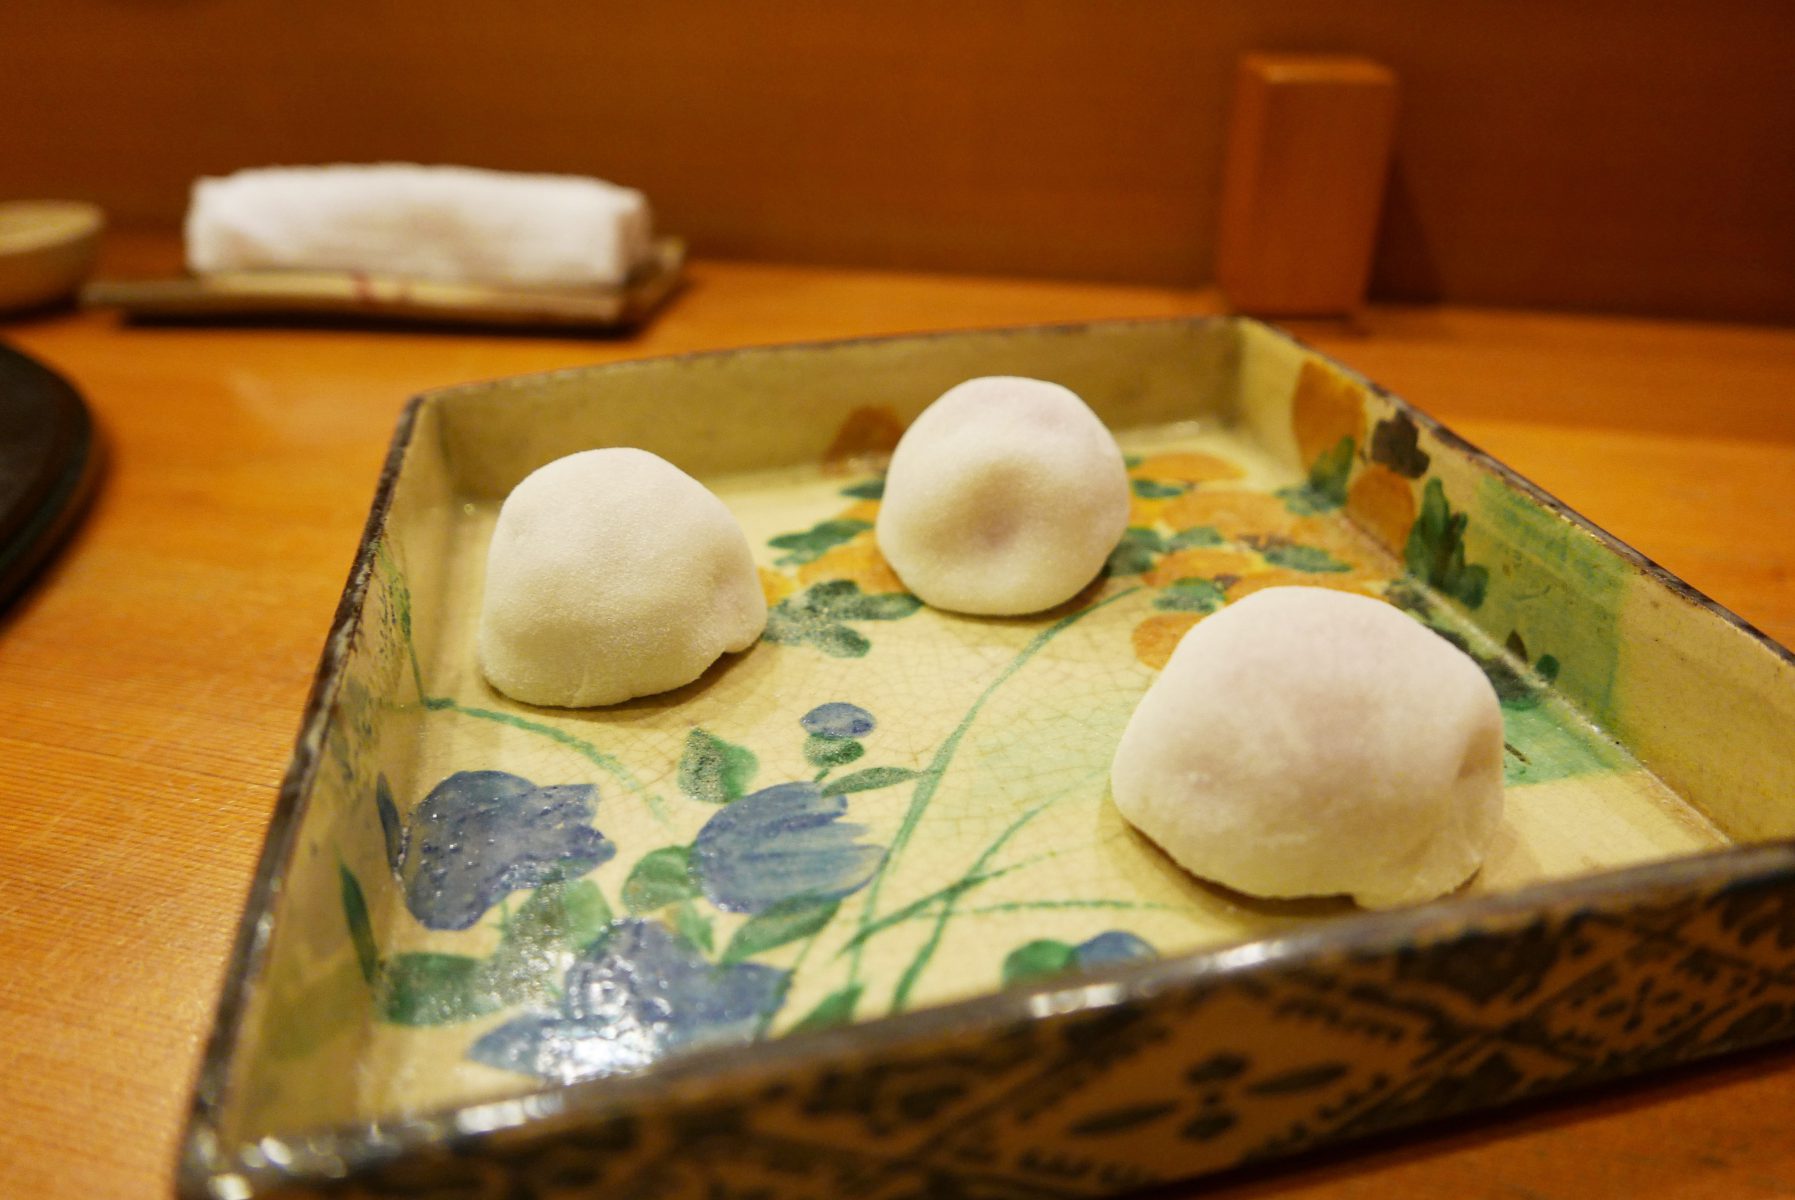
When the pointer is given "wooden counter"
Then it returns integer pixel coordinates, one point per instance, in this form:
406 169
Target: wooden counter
151 680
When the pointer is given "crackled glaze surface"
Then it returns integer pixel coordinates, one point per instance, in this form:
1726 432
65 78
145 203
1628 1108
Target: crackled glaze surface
883 808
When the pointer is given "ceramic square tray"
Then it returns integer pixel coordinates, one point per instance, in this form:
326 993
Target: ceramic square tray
853 914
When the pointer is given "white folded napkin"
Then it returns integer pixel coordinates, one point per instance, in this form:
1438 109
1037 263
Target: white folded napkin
448 224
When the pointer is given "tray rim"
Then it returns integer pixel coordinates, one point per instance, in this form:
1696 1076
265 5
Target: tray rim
326 1154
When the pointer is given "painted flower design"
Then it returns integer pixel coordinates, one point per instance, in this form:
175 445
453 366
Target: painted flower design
1111 947
640 992
1206 546
835 731
783 841
837 719
1046 957
481 835
819 617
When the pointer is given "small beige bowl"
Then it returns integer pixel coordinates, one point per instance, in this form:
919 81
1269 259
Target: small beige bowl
47 248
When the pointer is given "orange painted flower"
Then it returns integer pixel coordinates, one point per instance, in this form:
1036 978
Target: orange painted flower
1383 502
1156 637
1202 562
774 586
1189 466
1233 513
1327 408
1348 544
860 510
858 560
1281 577
1144 512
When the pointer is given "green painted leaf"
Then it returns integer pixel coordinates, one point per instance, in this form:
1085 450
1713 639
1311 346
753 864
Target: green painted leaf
694 926
434 989
1325 488
1330 471
1301 501
361 930
788 626
838 641
713 770
816 541
1196 535
1136 551
1410 599
399 590
1036 960
823 597
786 921
872 489
1541 746
659 878
1191 595
837 1008
1131 461
881 606
1470 587
1152 489
816 617
1513 688
1435 551
831 752
869 779
572 913
1304 558
540 939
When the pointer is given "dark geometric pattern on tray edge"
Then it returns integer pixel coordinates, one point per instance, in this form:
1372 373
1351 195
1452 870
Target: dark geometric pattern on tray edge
1153 1090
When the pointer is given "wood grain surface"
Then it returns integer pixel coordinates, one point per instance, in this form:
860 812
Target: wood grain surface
151 680
1614 154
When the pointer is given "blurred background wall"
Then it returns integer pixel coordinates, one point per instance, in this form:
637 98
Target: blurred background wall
1635 156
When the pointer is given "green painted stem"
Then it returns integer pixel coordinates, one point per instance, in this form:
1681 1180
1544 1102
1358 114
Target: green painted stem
917 908
766 1019
929 781
1035 905
605 762
900 996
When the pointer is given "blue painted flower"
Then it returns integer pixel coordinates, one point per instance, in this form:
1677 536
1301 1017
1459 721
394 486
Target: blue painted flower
837 719
778 843
1112 948
480 835
1045 958
636 995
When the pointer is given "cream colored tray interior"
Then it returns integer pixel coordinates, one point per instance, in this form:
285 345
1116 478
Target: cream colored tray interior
981 776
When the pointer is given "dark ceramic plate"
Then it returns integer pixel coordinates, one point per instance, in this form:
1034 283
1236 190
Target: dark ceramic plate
47 465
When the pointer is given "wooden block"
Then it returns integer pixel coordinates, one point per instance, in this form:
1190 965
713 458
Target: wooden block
1308 153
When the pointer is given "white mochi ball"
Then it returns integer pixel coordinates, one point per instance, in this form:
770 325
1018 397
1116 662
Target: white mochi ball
1310 742
613 574
1004 497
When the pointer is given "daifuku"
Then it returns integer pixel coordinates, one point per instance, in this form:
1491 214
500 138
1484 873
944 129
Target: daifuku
612 574
1004 497
1307 742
